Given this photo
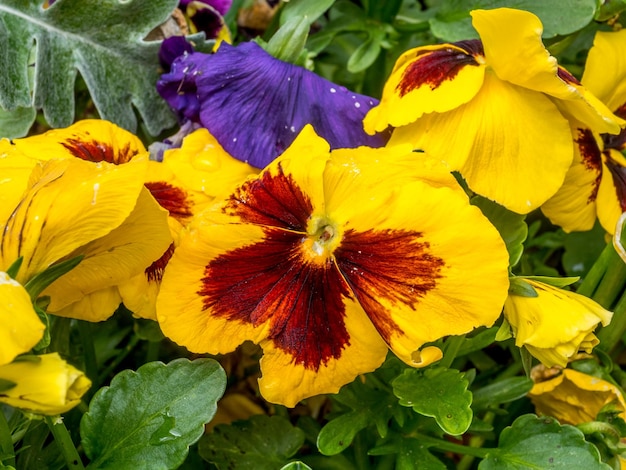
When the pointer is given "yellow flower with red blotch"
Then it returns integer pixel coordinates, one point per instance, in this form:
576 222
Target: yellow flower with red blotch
594 187
497 109
556 324
327 260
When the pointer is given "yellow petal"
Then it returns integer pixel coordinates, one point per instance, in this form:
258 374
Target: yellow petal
15 170
20 327
92 140
46 384
69 203
114 258
611 202
605 68
202 165
415 278
181 312
425 80
364 352
515 147
573 207
514 50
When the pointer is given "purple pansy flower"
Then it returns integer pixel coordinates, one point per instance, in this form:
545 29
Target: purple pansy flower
221 6
255 104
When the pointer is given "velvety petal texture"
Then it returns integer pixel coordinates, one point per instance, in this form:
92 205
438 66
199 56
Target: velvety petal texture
20 326
574 397
44 384
556 324
243 88
497 110
326 265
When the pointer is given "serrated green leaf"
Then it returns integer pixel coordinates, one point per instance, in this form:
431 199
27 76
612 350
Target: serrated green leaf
296 466
16 123
511 226
101 39
262 442
501 391
439 393
542 443
149 418
453 23
518 286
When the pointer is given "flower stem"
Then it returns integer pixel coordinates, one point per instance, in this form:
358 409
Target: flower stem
605 280
6 442
611 334
64 441
448 446
593 278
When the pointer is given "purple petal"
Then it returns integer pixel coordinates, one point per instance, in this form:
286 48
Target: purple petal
171 48
222 6
255 105
178 88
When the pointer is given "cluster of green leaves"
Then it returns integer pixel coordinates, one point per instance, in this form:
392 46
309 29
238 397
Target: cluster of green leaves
148 407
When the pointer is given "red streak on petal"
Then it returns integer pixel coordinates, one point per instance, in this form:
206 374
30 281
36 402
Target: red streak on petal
272 281
617 142
154 272
433 67
391 265
566 76
174 199
591 156
95 151
272 200
619 178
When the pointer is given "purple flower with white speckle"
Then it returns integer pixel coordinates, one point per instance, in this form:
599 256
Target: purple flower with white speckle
255 104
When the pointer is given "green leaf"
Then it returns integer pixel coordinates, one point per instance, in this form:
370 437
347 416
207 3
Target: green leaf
262 442
453 23
288 42
101 39
582 249
501 391
16 123
542 443
554 281
39 282
518 286
339 433
149 418
302 8
366 53
6 385
439 393
512 227
296 466
411 454
15 267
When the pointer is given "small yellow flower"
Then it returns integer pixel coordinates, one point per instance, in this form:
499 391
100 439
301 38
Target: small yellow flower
556 324
573 397
44 384
20 327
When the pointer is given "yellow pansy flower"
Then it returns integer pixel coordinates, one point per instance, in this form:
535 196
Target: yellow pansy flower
574 397
556 324
496 109
44 384
327 260
594 187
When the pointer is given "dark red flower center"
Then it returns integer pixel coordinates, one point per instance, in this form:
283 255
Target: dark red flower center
591 157
618 172
96 151
174 199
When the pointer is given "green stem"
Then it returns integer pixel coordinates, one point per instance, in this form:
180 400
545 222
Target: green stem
451 348
596 273
475 441
611 334
118 359
447 446
91 362
360 453
612 283
152 354
6 442
64 441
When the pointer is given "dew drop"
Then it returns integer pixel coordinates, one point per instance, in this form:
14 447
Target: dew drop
332 90
357 105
